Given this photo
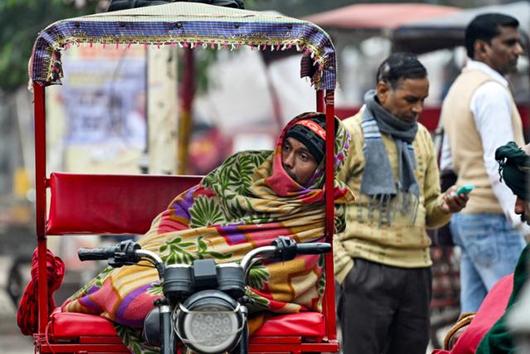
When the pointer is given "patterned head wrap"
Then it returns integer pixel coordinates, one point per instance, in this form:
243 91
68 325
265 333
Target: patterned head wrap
283 185
312 133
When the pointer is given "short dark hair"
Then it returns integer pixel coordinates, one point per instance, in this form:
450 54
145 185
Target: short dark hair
400 66
485 27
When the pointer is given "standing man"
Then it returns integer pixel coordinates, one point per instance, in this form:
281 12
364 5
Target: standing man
479 115
382 258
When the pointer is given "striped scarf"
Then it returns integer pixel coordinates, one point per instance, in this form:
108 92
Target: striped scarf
378 181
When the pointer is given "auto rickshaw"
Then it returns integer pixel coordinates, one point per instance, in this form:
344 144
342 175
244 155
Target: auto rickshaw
81 204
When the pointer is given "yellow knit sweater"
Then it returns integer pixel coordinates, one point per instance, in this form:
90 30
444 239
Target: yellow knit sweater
404 242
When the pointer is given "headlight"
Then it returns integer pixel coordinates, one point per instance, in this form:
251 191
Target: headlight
209 322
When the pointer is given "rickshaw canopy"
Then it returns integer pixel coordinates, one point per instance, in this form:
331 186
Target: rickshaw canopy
188 25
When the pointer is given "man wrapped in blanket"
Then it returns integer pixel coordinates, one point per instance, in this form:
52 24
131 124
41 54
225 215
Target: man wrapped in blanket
247 202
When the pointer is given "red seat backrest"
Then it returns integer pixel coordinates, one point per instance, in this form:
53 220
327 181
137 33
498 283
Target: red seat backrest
110 204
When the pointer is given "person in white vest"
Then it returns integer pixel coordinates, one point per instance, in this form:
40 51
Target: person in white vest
479 115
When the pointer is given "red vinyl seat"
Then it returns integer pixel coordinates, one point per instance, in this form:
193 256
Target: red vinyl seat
65 325
132 201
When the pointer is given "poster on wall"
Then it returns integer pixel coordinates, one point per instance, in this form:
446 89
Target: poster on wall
104 96
98 118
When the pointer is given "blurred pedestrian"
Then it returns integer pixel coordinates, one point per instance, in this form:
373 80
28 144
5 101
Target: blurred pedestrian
479 115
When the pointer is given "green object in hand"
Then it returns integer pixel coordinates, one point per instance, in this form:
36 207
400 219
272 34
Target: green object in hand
465 189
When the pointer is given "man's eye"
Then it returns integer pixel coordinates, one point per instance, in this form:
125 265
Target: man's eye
511 42
304 157
411 100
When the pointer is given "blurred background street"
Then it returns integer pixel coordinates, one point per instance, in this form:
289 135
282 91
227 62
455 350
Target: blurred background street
11 341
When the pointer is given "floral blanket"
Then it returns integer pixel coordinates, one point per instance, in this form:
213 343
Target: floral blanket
245 203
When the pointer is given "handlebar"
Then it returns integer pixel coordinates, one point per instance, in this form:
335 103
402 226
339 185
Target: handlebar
284 249
124 253
96 254
313 248
130 252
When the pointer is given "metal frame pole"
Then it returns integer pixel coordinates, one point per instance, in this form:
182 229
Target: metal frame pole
39 97
328 102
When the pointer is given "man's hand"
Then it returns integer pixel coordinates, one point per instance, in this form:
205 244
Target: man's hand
453 203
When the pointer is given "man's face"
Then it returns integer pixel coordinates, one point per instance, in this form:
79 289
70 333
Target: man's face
522 207
406 100
502 52
298 161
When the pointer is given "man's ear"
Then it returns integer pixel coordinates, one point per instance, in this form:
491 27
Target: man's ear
382 90
480 48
